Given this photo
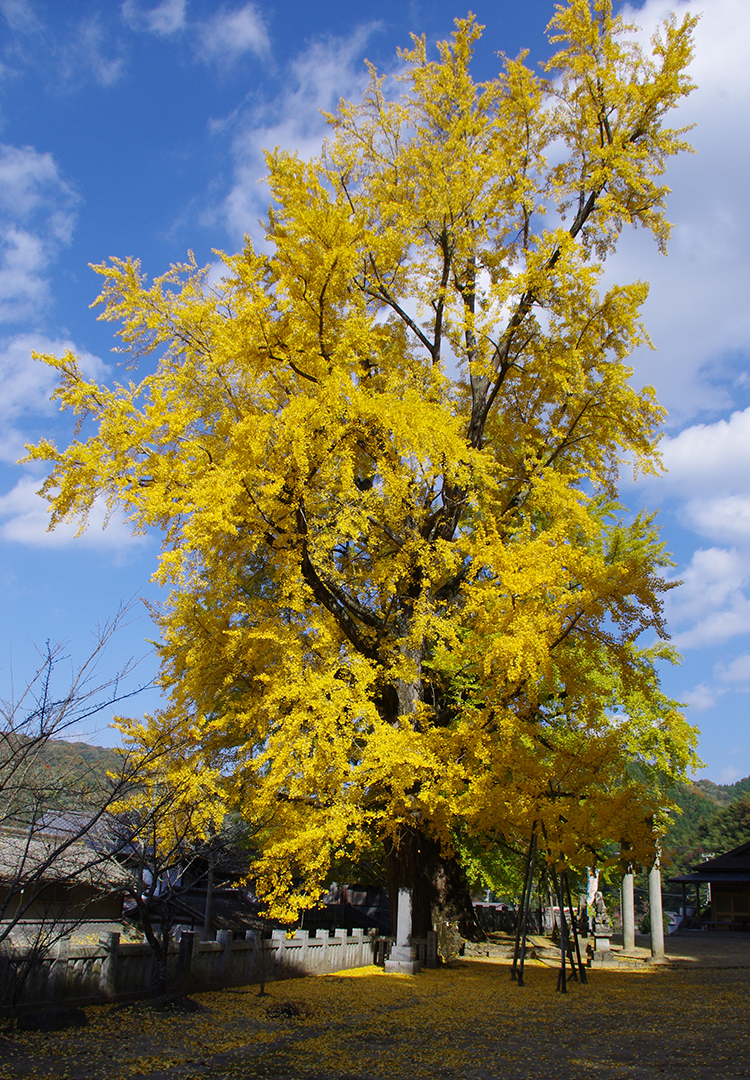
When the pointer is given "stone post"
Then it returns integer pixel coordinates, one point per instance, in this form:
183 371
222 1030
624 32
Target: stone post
592 887
304 937
187 946
628 912
322 936
278 938
341 934
108 976
656 917
224 937
250 963
60 970
403 956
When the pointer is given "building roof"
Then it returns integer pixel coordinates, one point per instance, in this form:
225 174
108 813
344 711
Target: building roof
716 879
735 861
40 858
731 868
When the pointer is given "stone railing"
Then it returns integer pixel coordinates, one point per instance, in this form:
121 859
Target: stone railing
116 971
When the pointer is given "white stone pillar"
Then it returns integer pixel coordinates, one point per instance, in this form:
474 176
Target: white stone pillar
403 958
656 915
628 912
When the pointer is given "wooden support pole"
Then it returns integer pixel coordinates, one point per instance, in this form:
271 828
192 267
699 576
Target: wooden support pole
519 951
581 965
562 978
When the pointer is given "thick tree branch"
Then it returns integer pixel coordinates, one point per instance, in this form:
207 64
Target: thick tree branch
334 602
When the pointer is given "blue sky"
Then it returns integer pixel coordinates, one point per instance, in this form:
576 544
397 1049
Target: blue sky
137 129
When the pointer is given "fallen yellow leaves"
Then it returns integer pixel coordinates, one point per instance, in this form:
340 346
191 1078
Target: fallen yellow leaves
467 1022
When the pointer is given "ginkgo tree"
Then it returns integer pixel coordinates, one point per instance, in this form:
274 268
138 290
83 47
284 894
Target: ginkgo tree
403 604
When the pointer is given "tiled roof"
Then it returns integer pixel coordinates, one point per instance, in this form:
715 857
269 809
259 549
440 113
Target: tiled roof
23 859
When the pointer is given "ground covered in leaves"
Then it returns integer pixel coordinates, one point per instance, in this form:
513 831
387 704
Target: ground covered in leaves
465 1022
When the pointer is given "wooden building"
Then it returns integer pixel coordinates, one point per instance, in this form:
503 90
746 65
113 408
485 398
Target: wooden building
728 878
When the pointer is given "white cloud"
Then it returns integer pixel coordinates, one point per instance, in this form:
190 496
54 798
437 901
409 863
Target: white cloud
712 578
36 218
709 476
20 15
697 312
26 179
700 698
731 621
166 18
707 458
24 518
710 605
726 519
317 79
730 774
22 287
736 672
28 384
231 34
89 51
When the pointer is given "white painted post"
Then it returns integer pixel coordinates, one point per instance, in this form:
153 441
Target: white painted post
359 940
628 912
342 953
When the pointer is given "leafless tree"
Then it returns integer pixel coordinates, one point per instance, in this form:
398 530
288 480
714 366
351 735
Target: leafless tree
50 819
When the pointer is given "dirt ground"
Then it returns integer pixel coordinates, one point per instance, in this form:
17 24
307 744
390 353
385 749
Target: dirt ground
688 1019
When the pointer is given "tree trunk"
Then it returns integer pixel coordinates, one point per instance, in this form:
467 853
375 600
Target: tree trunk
440 895
160 950
159 974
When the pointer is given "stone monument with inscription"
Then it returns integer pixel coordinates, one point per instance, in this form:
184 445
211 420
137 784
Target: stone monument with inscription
403 959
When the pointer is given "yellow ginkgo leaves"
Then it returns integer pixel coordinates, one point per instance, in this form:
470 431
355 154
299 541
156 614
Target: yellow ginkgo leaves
383 455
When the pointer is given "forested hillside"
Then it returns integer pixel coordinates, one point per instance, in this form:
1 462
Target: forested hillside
715 818
78 760
53 775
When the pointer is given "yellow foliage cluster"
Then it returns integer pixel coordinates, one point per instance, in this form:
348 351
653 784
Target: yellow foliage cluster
383 453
